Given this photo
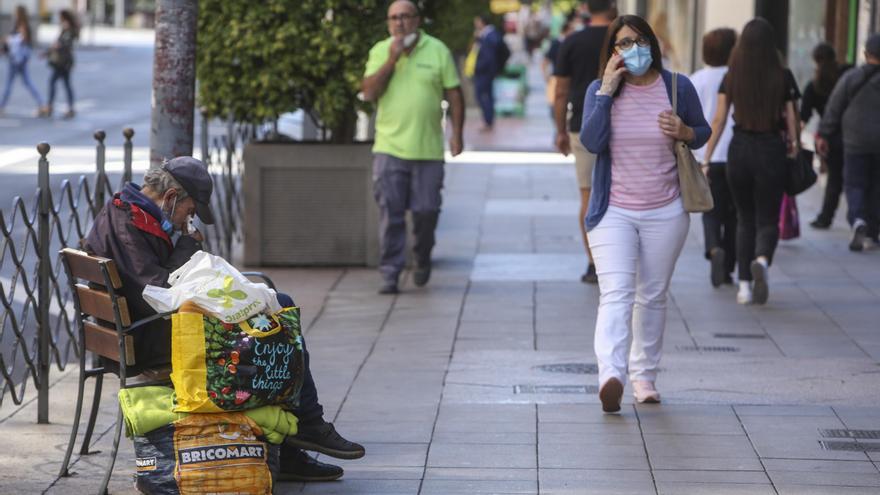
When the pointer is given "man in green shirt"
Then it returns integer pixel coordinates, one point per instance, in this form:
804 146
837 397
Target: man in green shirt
409 74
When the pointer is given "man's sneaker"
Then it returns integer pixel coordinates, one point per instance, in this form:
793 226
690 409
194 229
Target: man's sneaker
858 239
590 277
645 393
422 274
744 295
611 394
820 223
389 288
296 465
717 275
760 289
323 438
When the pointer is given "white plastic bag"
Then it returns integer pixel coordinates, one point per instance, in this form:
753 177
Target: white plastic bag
216 286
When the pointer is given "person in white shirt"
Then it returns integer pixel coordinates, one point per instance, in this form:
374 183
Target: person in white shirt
719 224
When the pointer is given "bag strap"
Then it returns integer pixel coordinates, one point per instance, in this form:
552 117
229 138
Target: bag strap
855 91
675 93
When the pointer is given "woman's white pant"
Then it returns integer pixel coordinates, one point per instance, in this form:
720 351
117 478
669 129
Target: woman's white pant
635 253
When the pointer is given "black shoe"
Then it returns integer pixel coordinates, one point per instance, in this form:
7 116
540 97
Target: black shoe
728 279
296 465
323 438
590 277
760 289
820 223
422 274
716 256
858 239
389 288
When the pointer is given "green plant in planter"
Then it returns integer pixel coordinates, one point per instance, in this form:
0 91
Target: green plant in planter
257 60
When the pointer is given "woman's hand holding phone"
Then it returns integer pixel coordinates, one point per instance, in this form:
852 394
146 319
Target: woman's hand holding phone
612 76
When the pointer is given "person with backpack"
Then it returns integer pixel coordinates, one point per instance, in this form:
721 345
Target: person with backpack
492 56
851 113
18 47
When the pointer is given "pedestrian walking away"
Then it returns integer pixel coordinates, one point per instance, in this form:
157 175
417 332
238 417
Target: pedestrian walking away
144 230
852 114
60 57
816 94
636 220
408 75
18 48
571 24
763 94
719 224
577 65
492 54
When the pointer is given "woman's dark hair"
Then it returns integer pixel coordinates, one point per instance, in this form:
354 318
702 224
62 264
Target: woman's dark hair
827 69
22 24
717 45
638 25
755 82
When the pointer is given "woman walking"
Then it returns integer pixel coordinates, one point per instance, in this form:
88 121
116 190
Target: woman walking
636 220
763 94
19 46
816 94
719 224
61 62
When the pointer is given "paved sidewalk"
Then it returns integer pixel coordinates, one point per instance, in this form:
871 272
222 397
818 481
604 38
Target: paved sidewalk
484 381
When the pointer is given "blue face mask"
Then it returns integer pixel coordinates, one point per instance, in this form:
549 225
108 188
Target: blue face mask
637 59
167 226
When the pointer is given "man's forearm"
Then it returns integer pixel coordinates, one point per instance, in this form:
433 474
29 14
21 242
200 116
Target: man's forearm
456 103
560 104
375 85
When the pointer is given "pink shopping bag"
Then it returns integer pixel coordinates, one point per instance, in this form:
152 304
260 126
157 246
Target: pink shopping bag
789 224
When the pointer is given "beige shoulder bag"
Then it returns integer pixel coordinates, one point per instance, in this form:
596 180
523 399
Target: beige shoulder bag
695 192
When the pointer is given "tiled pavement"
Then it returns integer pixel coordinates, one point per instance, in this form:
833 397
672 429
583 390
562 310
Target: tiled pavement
445 386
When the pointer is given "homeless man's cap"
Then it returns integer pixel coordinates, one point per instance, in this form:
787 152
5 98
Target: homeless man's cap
193 176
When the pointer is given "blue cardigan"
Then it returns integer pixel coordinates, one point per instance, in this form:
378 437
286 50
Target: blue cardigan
596 135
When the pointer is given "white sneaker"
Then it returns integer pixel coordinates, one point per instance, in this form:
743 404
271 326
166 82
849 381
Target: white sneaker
744 295
645 393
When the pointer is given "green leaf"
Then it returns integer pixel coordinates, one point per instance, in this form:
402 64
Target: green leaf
237 294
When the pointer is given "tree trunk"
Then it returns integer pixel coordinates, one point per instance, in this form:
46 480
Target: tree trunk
174 76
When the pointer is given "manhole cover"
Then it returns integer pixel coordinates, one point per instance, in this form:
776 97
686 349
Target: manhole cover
859 434
849 446
555 389
707 348
572 368
739 336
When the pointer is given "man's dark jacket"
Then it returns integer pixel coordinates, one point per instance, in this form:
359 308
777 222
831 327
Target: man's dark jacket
129 231
852 110
488 61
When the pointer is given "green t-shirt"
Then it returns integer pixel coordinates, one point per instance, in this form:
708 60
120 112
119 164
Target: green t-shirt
408 122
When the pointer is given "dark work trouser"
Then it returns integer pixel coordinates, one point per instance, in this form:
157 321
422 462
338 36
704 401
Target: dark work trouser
756 173
719 224
401 185
862 181
485 92
834 186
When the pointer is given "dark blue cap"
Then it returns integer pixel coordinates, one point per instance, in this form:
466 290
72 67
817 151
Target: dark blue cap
193 176
872 46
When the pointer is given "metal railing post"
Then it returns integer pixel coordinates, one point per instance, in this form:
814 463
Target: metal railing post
101 178
203 137
43 334
127 133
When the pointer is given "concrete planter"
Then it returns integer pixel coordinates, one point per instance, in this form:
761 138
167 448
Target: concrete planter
309 204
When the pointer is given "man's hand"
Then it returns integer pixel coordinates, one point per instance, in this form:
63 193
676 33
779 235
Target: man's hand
563 143
395 50
822 146
456 145
195 234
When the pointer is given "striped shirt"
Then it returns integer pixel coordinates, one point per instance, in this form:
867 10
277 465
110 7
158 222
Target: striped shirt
643 171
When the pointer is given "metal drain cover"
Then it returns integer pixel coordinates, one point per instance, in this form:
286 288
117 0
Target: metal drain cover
707 348
739 336
572 368
849 446
555 389
859 434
